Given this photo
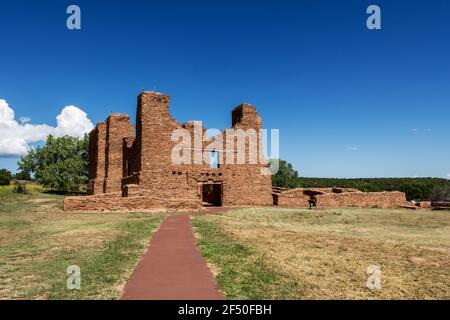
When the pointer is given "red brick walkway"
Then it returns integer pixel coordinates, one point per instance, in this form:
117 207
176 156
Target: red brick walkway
172 267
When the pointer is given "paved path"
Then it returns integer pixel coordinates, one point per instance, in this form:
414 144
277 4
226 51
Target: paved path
172 268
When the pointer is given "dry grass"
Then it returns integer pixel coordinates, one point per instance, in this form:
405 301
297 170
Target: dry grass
327 252
38 241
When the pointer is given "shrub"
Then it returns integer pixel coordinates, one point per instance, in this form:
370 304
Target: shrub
20 187
5 177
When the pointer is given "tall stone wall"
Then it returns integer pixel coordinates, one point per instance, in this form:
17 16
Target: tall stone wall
154 127
97 156
245 184
118 127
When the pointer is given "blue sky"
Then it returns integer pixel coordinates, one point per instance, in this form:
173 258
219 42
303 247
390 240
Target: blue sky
349 102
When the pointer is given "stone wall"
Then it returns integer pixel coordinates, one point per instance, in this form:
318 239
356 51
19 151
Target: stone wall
393 199
293 198
116 202
97 156
118 127
298 198
138 171
440 205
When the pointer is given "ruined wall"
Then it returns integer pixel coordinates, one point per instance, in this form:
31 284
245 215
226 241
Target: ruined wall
246 186
154 128
139 172
440 205
245 116
115 202
118 127
393 199
296 198
244 183
97 155
241 184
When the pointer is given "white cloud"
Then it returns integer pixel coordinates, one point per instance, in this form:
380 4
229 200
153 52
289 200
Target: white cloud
352 148
448 176
72 121
15 137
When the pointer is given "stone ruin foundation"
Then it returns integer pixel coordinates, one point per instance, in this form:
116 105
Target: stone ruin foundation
338 198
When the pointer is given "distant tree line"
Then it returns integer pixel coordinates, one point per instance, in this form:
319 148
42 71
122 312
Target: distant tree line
435 189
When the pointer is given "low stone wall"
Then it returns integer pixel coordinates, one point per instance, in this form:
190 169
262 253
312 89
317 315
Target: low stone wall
424 204
115 202
296 198
393 199
440 205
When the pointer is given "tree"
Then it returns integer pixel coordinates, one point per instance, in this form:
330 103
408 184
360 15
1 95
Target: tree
286 177
22 175
5 177
440 193
61 164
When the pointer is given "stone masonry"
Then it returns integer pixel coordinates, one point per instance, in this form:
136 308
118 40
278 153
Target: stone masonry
337 198
132 168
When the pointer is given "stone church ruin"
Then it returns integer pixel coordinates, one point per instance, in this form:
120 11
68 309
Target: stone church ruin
133 168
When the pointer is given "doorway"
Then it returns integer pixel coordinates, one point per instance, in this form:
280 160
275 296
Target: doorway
212 194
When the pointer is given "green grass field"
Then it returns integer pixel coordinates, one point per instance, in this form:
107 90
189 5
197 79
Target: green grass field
264 253
38 241
272 253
